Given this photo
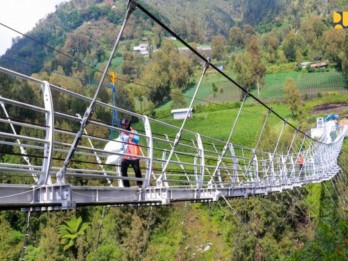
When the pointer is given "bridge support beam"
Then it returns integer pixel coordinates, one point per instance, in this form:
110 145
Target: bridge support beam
54 194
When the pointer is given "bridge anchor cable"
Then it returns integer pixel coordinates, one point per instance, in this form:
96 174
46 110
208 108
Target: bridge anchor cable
178 135
254 156
220 157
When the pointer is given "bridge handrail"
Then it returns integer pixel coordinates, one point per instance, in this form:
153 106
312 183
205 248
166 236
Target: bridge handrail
196 155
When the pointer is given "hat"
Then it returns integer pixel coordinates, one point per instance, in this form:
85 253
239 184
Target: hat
126 122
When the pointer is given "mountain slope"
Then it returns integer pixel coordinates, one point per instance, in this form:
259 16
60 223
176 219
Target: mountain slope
195 20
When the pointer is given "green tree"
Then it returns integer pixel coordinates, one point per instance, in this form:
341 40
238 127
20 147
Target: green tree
77 43
290 44
11 241
249 67
178 98
215 89
158 35
218 47
180 69
49 247
244 75
311 30
167 68
345 55
156 76
70 231
235 37
292 96
270 44
195 33
333 40
248 33
132 64
135 238
141 99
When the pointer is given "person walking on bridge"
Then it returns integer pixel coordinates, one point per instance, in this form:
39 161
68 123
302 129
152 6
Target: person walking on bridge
131 141
300 162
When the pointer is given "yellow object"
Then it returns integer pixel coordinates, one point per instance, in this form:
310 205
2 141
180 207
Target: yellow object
336 17
340 20
113 77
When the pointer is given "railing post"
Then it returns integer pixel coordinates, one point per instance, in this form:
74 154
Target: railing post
271 163
256 169
284 170
149 143
163 176
45 177
234 166
202 161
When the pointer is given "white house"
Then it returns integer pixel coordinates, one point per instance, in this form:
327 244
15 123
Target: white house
141 49
304 64
181 113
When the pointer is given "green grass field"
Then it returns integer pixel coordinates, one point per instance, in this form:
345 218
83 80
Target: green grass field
218 124
310 84
205 94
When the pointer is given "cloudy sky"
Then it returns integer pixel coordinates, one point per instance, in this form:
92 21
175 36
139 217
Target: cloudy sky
22 15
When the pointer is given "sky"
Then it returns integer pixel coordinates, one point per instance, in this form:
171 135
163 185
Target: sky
22 15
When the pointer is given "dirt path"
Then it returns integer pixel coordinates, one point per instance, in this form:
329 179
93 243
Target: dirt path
331 108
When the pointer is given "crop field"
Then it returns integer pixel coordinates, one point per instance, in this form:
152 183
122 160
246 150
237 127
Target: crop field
218 124
309 84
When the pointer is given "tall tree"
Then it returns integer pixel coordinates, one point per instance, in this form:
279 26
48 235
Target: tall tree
235 37
167 68
131 65
178 98
218 47
292 97
248 33
215 89
270 44
158 36
290 44
249 67
10 241
180 69
195 32
333 40
345 55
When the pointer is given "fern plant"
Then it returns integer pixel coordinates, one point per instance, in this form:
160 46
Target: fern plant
71 230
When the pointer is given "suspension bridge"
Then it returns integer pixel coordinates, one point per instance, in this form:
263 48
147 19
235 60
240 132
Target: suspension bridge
57 161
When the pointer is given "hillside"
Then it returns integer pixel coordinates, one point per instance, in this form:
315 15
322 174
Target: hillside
77 38
194 20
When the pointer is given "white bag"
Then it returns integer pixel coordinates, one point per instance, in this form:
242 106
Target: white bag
113 159
114 146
